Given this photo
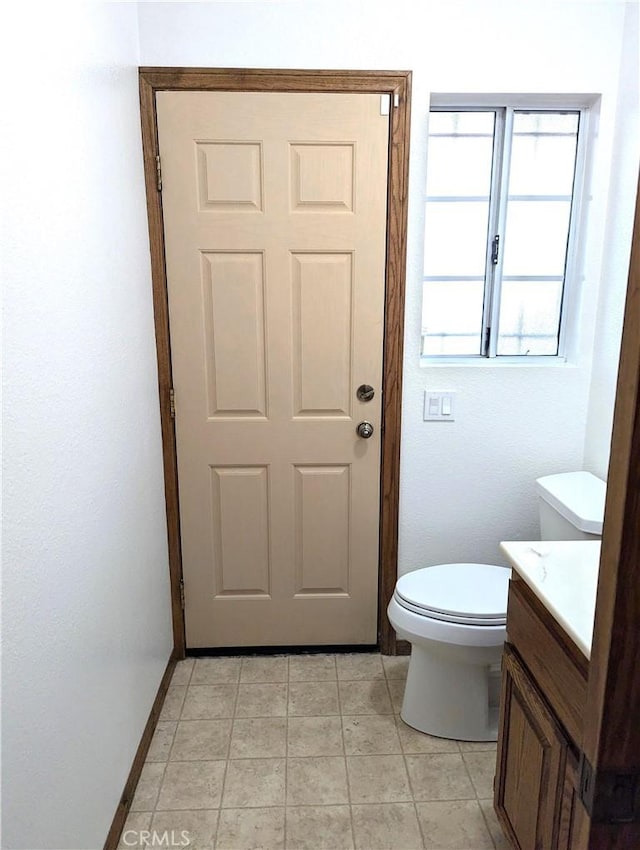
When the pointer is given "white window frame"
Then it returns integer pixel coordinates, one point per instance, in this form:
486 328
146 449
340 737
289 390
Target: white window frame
504 106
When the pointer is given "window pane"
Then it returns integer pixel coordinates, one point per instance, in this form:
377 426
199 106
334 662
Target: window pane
529 317
452 317
545 122
543 164
535 239
455 238
457 123
459 165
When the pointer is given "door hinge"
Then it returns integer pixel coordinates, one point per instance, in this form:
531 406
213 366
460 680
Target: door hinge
158 173
182 593
172 403
610 797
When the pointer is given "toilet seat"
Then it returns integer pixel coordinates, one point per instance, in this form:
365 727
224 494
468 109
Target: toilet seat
467 594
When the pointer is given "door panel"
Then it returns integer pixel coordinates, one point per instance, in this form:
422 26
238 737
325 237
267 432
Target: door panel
241 561
322 529
275 218
235 333
322 329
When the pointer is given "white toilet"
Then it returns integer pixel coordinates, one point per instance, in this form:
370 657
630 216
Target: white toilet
454 616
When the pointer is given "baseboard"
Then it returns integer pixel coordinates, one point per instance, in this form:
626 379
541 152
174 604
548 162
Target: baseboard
281 650
124 805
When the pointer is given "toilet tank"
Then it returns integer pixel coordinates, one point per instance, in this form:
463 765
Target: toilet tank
571 506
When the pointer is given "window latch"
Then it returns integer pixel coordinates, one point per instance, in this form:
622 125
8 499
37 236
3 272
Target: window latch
485 342
495 247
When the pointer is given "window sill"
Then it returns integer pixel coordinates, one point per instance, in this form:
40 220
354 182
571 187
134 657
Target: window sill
498 362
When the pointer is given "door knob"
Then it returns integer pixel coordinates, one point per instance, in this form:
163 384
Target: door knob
364 430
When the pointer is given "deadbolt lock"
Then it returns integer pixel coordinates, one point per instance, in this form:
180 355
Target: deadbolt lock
365 392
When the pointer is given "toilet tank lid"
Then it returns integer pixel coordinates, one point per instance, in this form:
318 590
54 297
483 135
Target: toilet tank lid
577 496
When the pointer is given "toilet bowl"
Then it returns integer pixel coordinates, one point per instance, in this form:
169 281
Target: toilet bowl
454 616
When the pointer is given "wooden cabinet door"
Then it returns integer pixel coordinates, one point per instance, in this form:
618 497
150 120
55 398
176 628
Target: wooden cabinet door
574 821
532 760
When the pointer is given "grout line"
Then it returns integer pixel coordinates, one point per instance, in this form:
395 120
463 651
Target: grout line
389 694
420 830
346 769
467 771
160 784
486 823
193 667
286 752
226 766
215 836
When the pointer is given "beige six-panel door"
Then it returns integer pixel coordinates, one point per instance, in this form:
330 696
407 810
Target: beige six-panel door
274 211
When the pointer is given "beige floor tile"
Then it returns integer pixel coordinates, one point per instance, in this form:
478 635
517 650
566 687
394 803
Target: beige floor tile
191 785
478 746
251 829
312 668
482 769
135 823
198 828
208 702
262 700
313 698
172 705
359 666
369 734
144 799
319 828
215 671
365 698
258 737
314 736
270 669
162 740
457 825
395 666
396 689
238 707
254 783
499 838
391 826
378 779
419 742
201 740
318 780
182 672
439 776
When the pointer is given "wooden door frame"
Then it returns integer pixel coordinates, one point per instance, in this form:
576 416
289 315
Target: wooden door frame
398 85
610 758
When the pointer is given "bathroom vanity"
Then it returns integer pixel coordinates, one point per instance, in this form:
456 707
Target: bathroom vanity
544 688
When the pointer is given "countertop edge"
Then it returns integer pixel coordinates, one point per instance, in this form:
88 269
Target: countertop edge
548 568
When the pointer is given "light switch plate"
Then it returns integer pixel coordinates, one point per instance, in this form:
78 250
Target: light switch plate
439 406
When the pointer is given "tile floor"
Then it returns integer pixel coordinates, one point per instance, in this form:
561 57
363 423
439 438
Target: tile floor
307 751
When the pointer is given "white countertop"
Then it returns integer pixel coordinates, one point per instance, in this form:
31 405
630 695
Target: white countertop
564 576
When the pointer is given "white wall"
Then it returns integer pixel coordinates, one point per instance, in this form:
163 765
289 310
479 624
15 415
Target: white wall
622 198
466 485
87 626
